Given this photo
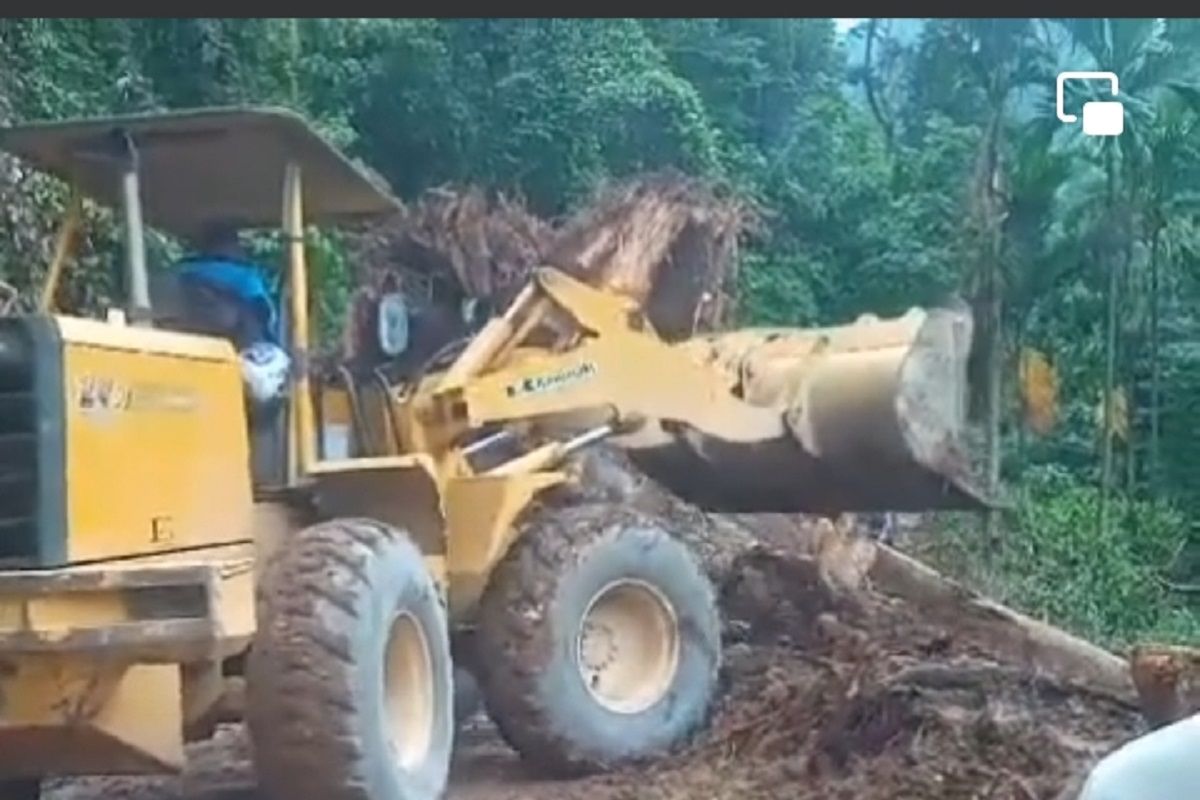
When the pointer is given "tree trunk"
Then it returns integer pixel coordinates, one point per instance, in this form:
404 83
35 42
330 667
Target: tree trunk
1040 647
851 562
989 212
294 62
1155 366
1110 354
1165 677
995 394
1022 422
875 103
1128 358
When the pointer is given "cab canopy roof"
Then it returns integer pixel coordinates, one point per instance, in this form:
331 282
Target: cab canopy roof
202 166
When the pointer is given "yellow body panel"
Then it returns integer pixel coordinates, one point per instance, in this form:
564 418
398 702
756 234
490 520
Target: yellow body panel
71 716
109 660
157 452
150 340
106 664
481 515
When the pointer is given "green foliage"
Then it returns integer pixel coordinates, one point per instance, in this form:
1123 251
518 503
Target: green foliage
779 293
331 271
1109 586
549 106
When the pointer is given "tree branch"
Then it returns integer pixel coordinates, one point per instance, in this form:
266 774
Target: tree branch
869 84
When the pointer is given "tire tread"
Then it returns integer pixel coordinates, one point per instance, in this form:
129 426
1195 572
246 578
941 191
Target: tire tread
513 647
305 743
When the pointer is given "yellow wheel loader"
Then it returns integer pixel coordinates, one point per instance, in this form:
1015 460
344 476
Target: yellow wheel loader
173 556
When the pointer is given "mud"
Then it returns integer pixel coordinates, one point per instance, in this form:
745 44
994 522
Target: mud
823 696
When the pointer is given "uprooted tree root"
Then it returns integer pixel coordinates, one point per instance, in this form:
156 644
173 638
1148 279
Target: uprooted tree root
666 240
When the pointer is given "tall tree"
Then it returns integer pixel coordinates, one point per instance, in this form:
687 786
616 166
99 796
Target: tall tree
1173 167
995 58
1148 65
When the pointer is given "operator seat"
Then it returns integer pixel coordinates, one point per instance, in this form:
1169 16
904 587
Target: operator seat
187 306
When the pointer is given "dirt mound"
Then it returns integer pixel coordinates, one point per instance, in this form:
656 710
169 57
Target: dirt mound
830 697
605 474
828 692
864 700
831 690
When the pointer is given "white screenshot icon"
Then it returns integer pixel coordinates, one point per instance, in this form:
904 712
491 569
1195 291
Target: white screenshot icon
1100 118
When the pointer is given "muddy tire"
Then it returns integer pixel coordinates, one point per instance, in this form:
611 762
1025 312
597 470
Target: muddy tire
599 640
20 789
350 693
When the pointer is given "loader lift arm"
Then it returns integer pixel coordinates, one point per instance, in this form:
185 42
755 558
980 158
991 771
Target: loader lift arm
856 431
610 363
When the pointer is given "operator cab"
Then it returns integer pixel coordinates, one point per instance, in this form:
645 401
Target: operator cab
203 176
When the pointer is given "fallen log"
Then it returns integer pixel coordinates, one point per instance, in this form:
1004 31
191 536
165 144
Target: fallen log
1037 646
849 562
823 565
830 568
868 416
862 417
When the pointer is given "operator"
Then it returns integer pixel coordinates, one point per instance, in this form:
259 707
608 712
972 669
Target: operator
1161 765
232 300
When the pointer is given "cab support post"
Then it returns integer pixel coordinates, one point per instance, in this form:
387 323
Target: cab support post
302 435
62 249
137 282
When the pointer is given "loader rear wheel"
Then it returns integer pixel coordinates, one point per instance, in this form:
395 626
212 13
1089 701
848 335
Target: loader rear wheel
599 640
350 691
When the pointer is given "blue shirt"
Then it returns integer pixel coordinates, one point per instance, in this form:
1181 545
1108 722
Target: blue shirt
241 279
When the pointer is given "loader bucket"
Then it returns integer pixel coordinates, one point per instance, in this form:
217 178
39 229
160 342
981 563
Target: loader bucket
870 418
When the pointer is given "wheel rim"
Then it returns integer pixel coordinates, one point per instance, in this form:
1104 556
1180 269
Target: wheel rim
408 687
628 646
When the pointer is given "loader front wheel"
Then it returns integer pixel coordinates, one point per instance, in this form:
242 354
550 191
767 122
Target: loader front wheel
350 691
599 640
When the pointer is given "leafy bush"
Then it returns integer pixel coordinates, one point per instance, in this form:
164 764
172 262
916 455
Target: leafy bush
1057 564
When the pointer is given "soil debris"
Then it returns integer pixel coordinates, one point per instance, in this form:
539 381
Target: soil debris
829 690
827 700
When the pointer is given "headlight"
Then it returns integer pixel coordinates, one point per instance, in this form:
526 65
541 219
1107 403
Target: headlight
393 324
